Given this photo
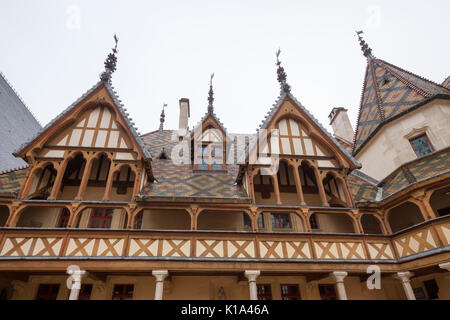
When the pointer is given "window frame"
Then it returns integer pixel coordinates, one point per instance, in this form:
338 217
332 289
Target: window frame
424 134
101 219
272 216
123 295
267 295
327 296
288 295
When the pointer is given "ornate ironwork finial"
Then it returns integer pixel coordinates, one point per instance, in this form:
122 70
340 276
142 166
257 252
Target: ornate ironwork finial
285 87
211 96
110 62
364 46
162 118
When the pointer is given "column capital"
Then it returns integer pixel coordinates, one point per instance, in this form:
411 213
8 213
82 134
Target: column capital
160 275
251 275
404 276
445 265
338 276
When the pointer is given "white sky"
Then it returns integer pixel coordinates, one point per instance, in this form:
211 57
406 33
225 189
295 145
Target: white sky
167 50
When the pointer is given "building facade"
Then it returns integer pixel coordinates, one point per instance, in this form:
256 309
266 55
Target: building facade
290 212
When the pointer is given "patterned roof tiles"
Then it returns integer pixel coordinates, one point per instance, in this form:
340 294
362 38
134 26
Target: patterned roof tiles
11 181
446 83
179 180
389 91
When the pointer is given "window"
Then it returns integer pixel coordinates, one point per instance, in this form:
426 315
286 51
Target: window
281 221
47 292
313 222
432 289
64 218
290 292
327 292
138 220
123 292
264 291
248 221
101 218
421 145
85 292
209 156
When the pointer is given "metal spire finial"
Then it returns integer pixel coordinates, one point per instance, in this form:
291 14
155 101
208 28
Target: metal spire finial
211 96
110 62
285 87
364 46
162 118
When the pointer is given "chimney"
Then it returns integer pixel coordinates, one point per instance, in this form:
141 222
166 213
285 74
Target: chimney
340 122
184 116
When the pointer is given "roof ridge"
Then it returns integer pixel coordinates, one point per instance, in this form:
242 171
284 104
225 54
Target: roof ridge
359 110
14 169
414 75
365 177
20 98
377 91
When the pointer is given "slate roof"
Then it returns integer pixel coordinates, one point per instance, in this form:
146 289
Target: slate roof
389 91
271 113
446 83
11 181
181 180
119 106
17 125
366 189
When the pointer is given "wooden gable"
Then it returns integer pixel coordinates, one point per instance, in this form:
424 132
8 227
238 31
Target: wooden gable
95 123
300 136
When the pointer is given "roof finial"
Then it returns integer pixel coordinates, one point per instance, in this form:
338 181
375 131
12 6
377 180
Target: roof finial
110 62
211 96
162 118
364 46
285 87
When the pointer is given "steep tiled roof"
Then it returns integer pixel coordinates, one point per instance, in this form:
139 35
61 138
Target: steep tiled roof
181 181
118 104
157 140
389 91
366 189
11 181
17 125
446 83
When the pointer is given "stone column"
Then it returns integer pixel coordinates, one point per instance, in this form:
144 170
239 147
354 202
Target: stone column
406 283
445 266
160 275
74 281
251 275
338 277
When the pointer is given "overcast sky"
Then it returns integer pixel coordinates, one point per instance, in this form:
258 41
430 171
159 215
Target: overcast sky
53 51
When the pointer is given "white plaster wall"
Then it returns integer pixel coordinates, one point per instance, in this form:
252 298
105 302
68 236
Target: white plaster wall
390 148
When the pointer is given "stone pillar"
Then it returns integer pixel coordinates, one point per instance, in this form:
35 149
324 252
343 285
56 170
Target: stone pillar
74 281
251 275
445 266
338 277
160 275
406 283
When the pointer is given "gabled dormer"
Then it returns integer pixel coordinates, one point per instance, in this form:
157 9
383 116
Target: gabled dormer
91 151
307 165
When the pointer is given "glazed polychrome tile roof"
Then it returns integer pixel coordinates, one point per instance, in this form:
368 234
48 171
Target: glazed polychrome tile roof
446 83
365 189
11 181
179 180
389 91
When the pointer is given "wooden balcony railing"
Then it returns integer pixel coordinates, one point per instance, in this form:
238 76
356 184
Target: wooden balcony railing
32 242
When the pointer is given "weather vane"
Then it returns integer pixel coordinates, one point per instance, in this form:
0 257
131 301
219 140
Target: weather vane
211 95
285 87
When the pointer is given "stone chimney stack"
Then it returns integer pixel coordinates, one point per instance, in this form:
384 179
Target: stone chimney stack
184 116
340 122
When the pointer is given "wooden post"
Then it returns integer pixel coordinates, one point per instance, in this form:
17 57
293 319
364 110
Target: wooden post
85 178
58 180
276 188
298 185
109 182
323 197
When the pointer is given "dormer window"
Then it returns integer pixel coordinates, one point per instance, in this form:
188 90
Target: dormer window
421 145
